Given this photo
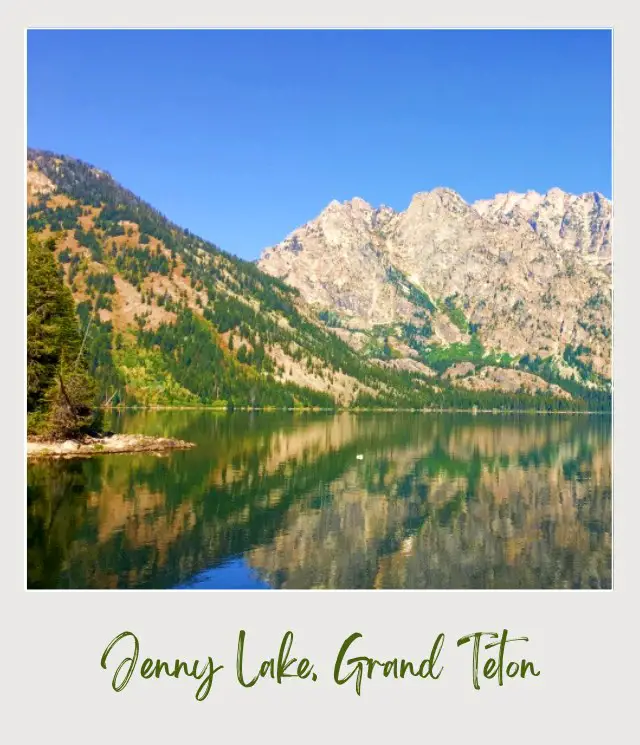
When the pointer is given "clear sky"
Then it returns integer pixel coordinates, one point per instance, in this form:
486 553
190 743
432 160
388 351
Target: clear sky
242 136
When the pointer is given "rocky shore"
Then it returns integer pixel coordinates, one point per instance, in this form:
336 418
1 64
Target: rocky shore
102 445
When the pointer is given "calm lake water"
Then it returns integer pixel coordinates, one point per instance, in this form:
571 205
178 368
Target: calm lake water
277 500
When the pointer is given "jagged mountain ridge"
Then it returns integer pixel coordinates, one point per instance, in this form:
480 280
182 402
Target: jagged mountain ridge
172 319
571 223
444 274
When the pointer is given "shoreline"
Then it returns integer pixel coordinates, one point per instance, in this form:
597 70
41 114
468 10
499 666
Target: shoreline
110 444
341 410
106 445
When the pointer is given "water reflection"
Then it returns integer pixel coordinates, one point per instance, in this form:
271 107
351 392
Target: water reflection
275 500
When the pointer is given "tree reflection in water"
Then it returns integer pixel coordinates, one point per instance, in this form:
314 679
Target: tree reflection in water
438 501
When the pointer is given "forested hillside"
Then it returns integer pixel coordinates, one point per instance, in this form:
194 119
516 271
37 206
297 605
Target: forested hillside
168 318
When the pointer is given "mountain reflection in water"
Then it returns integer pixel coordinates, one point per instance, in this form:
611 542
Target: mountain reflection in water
280 500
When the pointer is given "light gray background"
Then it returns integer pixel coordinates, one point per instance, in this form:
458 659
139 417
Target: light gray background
583 642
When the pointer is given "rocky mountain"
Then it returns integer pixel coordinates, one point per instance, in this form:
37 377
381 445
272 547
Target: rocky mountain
572 224
377 308
486 294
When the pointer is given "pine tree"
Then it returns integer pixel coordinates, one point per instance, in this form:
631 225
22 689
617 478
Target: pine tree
60 392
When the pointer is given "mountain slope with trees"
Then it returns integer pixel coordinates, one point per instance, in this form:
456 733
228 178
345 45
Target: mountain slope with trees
168 318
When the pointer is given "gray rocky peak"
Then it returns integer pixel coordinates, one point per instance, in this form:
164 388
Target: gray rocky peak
529 273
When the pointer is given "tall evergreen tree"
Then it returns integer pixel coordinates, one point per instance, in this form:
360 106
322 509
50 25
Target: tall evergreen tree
60 392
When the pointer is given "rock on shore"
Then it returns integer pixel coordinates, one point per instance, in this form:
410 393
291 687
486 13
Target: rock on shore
102 445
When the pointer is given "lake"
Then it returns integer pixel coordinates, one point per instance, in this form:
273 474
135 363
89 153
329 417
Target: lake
341 501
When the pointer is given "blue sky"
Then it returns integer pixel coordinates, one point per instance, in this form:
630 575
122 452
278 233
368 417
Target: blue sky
242 136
